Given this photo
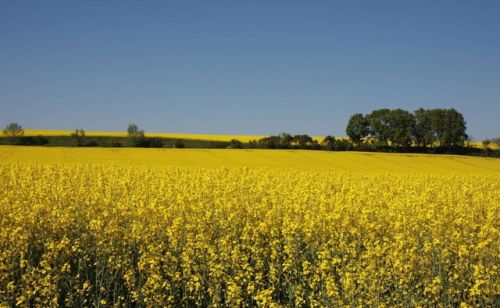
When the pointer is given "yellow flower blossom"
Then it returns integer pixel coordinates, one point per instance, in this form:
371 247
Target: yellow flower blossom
137 227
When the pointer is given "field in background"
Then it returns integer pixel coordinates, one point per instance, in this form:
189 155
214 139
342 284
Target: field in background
315 161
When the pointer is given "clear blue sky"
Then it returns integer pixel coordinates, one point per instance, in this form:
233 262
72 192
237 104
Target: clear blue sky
245 67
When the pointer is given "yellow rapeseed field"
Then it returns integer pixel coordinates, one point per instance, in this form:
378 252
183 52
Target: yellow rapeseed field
165 227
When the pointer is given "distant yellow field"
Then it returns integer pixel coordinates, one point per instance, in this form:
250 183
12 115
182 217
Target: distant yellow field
316 161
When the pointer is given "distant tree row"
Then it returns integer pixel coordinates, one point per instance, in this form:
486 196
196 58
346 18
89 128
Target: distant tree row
400 128
135 138
383 130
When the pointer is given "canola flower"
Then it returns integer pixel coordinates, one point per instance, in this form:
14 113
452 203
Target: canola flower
118 233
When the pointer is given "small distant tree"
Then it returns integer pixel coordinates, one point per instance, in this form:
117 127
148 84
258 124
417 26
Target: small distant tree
79 136
13 130
136 136
133 131
78 133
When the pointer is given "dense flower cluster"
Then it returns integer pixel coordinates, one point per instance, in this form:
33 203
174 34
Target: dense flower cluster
88 234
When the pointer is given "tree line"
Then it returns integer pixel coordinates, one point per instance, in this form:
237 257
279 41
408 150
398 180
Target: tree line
13 134
401 128
382 130
392 130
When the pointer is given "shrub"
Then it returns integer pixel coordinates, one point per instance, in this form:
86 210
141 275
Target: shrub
235 144
155 143
28 140
179 144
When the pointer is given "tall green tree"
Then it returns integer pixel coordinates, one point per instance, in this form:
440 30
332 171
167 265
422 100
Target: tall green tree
438 126
401 127
133 131
455 128
423 133
448 127
357 127
379 125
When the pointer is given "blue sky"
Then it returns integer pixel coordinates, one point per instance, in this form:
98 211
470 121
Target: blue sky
245 67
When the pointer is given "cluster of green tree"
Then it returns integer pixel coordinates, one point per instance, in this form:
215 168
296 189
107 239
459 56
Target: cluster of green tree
330 143
13 134
305 142
400 128
285 141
